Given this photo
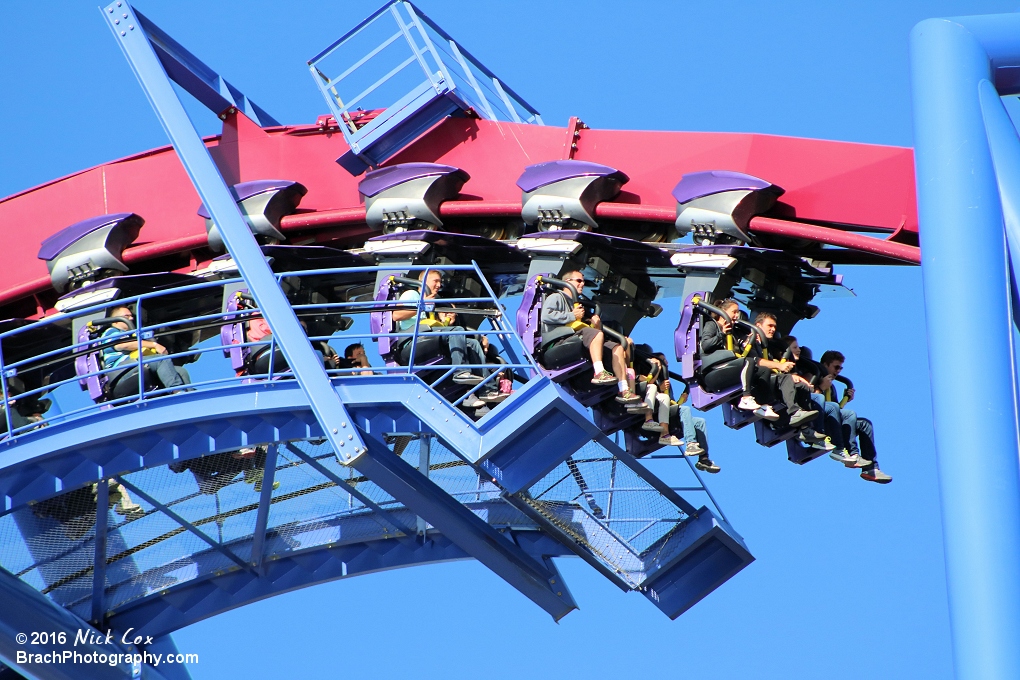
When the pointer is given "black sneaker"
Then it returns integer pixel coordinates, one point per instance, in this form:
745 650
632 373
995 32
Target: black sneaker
706 465
466 378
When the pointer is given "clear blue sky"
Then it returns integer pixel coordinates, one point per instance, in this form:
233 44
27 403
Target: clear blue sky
849 580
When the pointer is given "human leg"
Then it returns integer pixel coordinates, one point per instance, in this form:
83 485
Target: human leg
166 373
871 471
595 342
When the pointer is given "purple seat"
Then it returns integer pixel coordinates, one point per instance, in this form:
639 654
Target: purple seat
685 340
105 386
248 359
571 367
395 351
529 325
87 363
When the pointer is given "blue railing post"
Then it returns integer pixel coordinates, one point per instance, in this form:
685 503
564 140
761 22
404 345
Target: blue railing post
964 260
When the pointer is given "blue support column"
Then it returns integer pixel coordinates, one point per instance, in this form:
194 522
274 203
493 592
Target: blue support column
287 331
258 540
99 558
964 261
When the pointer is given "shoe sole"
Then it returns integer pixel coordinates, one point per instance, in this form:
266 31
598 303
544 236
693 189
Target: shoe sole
876 481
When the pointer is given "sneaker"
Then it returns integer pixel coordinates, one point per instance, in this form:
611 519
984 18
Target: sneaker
802 416
860 462
807 435
823 445
748 404
472 401
875 475
766 412
706 465
651 426
841 456
466 378
670 440
638 409
604 378
244 453
494 397
628 397
693 449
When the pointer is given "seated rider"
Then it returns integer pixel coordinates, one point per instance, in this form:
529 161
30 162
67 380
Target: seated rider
721 367
557 312
355 354
764 375
462 350
123 354
854 428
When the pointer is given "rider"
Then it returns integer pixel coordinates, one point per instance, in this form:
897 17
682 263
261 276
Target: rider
121 354
760 373
463 350
557 312
854 428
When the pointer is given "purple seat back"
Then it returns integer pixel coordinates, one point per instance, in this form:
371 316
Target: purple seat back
87 363
529 314
685 342
382 322
529 328
233 334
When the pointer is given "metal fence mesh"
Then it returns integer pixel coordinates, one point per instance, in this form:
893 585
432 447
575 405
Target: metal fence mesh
607 508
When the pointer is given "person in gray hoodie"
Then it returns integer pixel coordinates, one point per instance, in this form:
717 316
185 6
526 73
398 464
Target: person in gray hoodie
557 312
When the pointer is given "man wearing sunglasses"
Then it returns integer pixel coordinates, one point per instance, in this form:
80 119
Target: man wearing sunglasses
558 311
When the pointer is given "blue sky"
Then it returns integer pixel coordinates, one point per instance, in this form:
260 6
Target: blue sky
849 579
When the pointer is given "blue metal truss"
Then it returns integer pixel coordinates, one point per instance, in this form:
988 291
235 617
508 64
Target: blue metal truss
498 489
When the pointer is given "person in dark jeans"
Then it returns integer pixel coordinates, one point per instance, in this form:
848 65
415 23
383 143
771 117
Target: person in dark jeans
854 427
761 372
119 354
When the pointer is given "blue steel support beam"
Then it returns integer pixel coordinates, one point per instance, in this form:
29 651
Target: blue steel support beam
229 554
24 610
197 79
964 259
215 194
465 529
258 540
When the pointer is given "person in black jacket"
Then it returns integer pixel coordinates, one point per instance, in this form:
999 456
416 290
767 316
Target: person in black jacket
765 375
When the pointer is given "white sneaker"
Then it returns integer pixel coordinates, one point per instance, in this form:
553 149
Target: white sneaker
766 412
748 404
651 426
670 440
472 401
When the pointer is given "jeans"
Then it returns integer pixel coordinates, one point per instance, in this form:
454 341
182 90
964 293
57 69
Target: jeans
463 349
166 372
689 423
829 420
